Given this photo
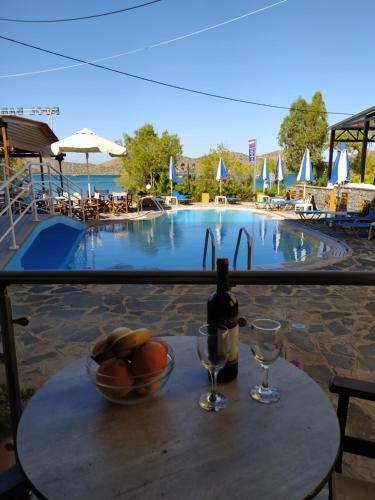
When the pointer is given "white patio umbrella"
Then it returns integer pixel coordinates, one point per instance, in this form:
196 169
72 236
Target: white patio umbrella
264 174
221 172
86 141
305 173
341 167
279 172
340 171
172 173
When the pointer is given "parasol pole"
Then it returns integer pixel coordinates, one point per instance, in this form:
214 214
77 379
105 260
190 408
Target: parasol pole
88 175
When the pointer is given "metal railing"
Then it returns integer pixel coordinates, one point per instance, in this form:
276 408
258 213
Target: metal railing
25 193
249 248
157 203
358 278
209 234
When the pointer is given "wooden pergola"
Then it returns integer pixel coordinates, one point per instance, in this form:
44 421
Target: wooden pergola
357 128
24 138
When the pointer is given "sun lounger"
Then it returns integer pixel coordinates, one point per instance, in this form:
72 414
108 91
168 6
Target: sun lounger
234 200
351 217
357 227
311 214
181 198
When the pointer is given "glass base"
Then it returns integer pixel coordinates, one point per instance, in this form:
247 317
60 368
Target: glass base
216 403
266 395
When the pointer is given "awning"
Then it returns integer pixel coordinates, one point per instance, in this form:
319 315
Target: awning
25 136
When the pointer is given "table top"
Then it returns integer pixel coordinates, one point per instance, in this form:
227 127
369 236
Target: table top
74 444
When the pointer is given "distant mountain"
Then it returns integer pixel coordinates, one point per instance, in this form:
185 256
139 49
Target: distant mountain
184 164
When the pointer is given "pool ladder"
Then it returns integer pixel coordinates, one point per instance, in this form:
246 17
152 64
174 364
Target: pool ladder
210 235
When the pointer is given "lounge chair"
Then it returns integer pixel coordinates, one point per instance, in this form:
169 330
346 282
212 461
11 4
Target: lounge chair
181 198
357 227
233 199
311 214
352 217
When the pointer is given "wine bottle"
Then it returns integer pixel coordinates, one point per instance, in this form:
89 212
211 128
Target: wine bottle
222 307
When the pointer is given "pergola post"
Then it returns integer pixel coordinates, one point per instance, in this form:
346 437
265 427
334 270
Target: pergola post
364 148
331 145
60 158
3 126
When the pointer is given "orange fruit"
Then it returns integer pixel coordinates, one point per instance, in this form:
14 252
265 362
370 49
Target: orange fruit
114 373
162 342
148 389
149 358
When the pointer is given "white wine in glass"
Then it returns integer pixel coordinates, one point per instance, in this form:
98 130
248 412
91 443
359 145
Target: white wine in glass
265 345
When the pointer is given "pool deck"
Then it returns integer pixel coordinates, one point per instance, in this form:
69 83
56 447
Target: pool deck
338 335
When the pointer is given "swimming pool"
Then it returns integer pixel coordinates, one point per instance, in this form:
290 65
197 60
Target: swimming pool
175 240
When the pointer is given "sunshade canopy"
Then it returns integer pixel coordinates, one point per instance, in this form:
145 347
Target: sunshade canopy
221 171
341 167
172 170
264 174
279 172
306 173
86 141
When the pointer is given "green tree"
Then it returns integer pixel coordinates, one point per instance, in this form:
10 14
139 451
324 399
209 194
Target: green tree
148 157
207 165
305 126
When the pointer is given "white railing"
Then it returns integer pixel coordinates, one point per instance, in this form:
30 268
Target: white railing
27 192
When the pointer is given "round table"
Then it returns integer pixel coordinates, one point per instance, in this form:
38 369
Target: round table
74 444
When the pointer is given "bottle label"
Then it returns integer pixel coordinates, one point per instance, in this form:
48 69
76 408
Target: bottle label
234 337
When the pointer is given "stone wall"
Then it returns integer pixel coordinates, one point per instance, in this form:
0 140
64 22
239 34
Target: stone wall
355 196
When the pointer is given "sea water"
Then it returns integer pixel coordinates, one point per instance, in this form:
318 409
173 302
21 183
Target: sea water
98 182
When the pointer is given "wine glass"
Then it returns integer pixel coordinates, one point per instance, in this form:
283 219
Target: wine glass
265 345
213 344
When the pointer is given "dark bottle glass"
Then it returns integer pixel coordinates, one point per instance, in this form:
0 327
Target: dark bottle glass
222 307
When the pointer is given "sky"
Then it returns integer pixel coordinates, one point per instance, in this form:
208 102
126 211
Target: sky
274 56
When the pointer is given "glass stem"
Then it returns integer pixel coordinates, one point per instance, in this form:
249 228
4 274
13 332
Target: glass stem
213 385
265 377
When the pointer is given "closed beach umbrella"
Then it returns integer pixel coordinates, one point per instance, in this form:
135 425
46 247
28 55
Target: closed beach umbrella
341 167
263 231
221 172
172 172
276 237
86 141
279 172
264 174
305 173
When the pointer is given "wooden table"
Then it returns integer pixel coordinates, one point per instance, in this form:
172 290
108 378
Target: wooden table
73 444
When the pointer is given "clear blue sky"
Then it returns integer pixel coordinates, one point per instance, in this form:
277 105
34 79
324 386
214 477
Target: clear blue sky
274 56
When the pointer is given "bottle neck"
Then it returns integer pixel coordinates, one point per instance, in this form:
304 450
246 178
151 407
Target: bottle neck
222 279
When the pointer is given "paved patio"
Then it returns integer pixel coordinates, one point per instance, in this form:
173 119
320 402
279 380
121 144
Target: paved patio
337 337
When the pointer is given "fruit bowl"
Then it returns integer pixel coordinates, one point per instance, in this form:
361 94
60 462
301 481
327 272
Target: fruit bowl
126 388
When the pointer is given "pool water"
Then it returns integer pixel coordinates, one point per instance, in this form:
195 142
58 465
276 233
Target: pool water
175 240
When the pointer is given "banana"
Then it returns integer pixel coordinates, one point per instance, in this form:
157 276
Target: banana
117 333
103 349
124 344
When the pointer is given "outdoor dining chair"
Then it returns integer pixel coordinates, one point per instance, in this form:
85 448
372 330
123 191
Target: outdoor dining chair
343 487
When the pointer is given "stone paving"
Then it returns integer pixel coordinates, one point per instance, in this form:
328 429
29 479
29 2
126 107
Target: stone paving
337 336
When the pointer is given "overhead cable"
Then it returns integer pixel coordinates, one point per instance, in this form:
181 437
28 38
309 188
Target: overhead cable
165 84
6 19
152 46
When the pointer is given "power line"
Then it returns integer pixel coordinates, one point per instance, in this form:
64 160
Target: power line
165 84
152 46
6 19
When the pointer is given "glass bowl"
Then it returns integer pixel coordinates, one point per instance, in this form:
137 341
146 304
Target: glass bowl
143 388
